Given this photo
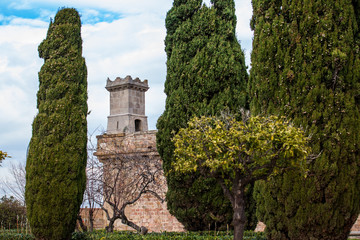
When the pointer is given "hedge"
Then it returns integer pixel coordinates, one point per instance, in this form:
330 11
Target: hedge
103 235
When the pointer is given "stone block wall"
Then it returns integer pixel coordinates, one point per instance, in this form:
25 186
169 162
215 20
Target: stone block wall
148 211
152 214
126 123
356 226
99 222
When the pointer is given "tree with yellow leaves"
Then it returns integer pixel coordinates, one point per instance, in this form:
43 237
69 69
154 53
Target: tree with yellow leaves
237 153
3 155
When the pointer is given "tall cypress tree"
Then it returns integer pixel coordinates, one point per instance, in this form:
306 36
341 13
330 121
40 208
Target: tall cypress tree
206 73
305 65
55 168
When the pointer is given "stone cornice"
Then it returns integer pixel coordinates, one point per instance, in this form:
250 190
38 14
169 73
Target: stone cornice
127 83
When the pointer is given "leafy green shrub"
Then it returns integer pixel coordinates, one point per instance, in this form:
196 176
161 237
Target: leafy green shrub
103 235
12 235
79 236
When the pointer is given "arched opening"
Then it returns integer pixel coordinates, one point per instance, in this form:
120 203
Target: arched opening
137 125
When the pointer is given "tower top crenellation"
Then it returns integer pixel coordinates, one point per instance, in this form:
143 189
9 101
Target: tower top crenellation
127 83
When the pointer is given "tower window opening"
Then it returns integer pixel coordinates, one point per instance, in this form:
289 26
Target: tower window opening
137 125
117 125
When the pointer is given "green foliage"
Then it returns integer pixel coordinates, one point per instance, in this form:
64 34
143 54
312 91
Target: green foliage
79 236
55 179
103 235
13 235
237 153
11 212
206 73
305 65
256 148
249 235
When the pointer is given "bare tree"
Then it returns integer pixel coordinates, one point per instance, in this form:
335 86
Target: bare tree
16 185
125 179
119 180
92 195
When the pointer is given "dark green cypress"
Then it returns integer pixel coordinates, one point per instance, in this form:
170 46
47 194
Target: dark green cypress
206 73
55 168
306 66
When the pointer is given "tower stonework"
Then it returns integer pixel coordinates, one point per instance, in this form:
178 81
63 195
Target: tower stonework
128 137
148 211
127 105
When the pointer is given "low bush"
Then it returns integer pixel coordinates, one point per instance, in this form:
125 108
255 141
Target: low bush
123 235
11 235
103 235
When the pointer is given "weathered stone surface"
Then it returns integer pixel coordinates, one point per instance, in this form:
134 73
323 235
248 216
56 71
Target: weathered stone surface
99 218
127 105
148 211
260 227
128 136
356 226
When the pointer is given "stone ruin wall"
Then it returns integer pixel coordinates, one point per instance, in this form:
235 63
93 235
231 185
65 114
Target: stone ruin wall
99 218
148 211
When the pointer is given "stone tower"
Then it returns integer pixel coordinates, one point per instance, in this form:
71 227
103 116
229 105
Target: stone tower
127 138
127 105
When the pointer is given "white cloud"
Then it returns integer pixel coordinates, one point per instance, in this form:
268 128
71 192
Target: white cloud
46 14
98 105
20 35
244 14
28 22
132 45
155 104
19 66
20 5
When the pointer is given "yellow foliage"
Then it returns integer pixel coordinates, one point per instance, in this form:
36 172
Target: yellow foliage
3 155
224 145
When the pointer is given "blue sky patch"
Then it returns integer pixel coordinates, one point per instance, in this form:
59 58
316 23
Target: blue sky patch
43 12
7 14
92 16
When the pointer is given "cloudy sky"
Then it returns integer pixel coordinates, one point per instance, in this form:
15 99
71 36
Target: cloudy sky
120 38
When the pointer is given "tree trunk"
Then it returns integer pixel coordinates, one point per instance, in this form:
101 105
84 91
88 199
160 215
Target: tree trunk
239 217
81 223
110 227
142 230
91 220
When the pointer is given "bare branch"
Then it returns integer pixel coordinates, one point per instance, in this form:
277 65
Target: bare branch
16 186
123 179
